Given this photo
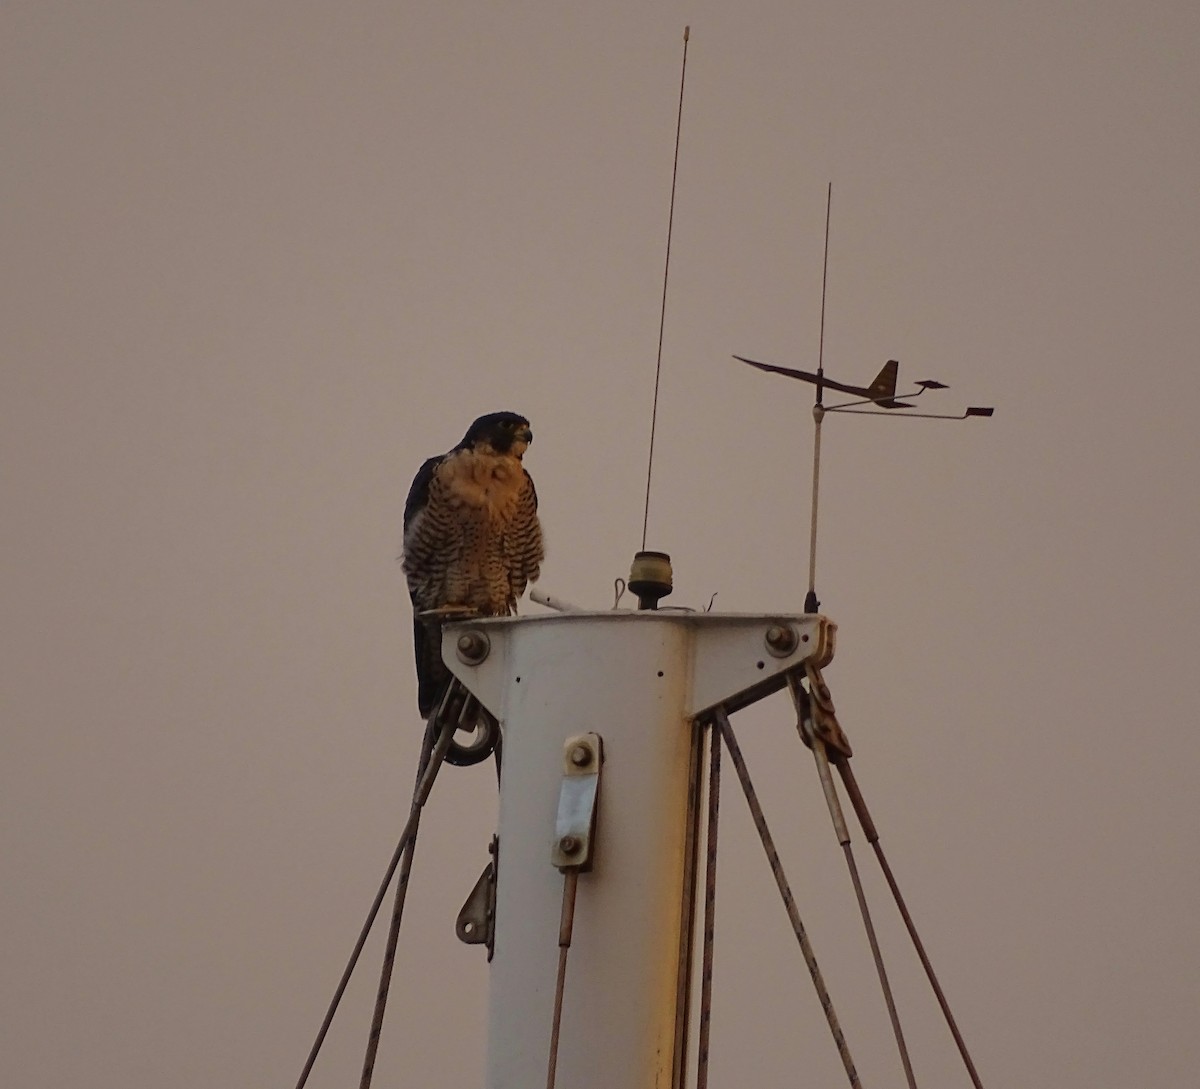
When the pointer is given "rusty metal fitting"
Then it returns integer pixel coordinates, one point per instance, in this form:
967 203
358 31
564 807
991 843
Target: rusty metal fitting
569 845
581 756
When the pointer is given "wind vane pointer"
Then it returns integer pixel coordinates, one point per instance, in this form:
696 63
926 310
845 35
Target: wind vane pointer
881 393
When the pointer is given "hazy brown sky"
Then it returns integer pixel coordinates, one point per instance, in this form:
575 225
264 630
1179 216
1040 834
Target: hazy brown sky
259 260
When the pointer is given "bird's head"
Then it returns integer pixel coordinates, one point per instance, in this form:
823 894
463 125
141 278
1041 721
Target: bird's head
498 433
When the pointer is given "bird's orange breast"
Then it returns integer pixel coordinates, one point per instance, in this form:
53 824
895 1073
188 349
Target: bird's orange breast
490 483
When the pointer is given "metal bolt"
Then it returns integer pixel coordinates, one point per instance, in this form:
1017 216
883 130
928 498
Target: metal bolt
569 845
781 640
473 647
581 756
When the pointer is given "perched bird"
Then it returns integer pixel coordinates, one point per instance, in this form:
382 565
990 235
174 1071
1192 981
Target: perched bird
472 540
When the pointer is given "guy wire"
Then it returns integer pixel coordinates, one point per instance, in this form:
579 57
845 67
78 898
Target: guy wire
662 319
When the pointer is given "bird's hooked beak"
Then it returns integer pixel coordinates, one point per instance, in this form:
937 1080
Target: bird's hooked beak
525 435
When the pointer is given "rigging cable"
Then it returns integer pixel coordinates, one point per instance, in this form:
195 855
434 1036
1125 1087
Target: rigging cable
662 319
566 927
466 711
805 728
420 796
789 902
869 830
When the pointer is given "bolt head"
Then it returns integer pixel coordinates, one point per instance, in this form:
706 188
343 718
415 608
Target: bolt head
581 756
781 640
473 647
569 845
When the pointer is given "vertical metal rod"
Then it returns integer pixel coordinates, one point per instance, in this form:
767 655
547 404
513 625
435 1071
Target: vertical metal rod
824 282
710 905
393 938
869 830
662 320
811 604
687 923
566 927
789 902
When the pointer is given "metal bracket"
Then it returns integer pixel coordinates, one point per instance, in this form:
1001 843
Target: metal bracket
476 922
575 824
816 711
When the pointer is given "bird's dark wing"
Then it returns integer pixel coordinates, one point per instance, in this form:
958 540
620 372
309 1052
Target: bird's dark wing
432 674
418 494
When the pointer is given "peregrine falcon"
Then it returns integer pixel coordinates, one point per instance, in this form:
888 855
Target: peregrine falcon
472 540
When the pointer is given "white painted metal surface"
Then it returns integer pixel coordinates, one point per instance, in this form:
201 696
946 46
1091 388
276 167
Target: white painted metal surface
636 679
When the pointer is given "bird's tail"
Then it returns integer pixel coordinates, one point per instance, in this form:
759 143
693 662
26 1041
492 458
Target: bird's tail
432 674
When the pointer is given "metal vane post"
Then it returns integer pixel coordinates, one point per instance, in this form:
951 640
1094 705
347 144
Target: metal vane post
811 604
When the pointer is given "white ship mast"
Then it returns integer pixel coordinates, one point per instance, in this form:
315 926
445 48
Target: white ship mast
634 689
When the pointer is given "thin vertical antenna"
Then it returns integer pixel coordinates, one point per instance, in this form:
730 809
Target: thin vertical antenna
811 604
662 320
824 283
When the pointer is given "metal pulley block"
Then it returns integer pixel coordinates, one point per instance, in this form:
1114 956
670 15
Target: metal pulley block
816 711
473 720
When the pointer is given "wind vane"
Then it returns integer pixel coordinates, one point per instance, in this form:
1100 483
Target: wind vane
881 393
877 399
